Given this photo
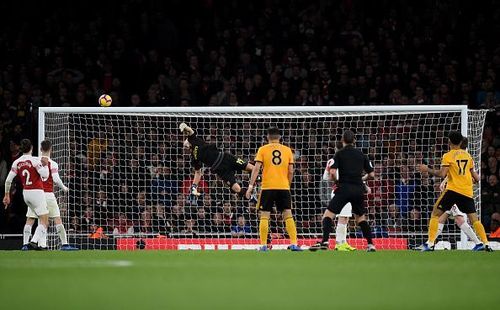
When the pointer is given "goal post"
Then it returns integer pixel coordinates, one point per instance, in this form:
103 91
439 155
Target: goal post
128 174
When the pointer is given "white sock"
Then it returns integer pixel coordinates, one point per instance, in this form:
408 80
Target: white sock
41 231
26 234
469 232
440 230
36 235
341 234
62 233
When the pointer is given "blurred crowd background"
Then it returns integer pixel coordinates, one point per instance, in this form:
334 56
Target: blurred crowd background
237 53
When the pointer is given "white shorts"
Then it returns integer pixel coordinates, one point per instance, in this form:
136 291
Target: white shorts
346 210
454 212
52 206
36 201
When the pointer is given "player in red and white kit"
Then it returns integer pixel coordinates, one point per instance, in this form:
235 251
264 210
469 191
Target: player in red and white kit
52 206
32 170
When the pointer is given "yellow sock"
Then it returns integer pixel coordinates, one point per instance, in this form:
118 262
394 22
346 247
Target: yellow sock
479 229
433 229
291 229
263 230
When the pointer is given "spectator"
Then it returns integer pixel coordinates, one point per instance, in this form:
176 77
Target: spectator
404 191
241 229
87 219
189 227
160 224
218 224
202 220
123 226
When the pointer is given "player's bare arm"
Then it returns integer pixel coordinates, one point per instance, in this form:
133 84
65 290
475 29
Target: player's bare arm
8 184
333 174
441 173
253 178
290 173
475 175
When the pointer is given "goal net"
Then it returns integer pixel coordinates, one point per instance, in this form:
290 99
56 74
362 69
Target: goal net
129 175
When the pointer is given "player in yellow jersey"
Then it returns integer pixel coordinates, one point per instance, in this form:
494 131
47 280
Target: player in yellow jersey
276 161
458 166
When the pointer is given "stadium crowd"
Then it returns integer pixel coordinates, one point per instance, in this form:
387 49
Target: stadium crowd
239 53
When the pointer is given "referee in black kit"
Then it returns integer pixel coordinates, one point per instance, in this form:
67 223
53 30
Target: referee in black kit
350 163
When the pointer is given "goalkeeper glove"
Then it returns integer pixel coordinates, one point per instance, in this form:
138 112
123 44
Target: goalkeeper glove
194 190
183 127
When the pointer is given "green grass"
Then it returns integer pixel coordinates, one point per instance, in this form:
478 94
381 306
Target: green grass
249 280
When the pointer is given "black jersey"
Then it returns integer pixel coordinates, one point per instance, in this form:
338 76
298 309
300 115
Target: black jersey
202 152
350 163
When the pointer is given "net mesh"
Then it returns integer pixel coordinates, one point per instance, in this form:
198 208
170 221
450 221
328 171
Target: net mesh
129 176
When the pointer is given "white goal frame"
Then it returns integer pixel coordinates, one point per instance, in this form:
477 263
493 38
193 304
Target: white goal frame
300 110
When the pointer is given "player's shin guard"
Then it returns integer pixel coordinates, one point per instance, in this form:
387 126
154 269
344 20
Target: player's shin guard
62 233
433 230
263 230
291 229
327 228
341 234
26 234
469 232
367 232
479 229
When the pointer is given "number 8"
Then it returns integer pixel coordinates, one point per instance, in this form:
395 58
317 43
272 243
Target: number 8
276 157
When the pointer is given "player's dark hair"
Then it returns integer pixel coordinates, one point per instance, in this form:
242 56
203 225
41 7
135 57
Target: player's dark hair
46 145
25 145
455 137
464 143
348 137
273 132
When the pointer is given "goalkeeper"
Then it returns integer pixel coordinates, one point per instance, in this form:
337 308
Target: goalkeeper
224 165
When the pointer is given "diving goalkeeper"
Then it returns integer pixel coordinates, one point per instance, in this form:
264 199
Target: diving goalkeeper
224 165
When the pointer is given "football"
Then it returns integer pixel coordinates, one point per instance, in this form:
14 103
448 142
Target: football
105 100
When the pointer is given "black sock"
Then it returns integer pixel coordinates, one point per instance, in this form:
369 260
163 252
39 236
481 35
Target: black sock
327 228
367 233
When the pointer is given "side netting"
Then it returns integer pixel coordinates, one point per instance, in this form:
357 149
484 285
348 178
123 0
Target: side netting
129 176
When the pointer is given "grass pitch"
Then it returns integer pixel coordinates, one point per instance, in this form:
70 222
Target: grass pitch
249 280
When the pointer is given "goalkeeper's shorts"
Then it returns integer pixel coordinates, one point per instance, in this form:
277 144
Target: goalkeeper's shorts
228 167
